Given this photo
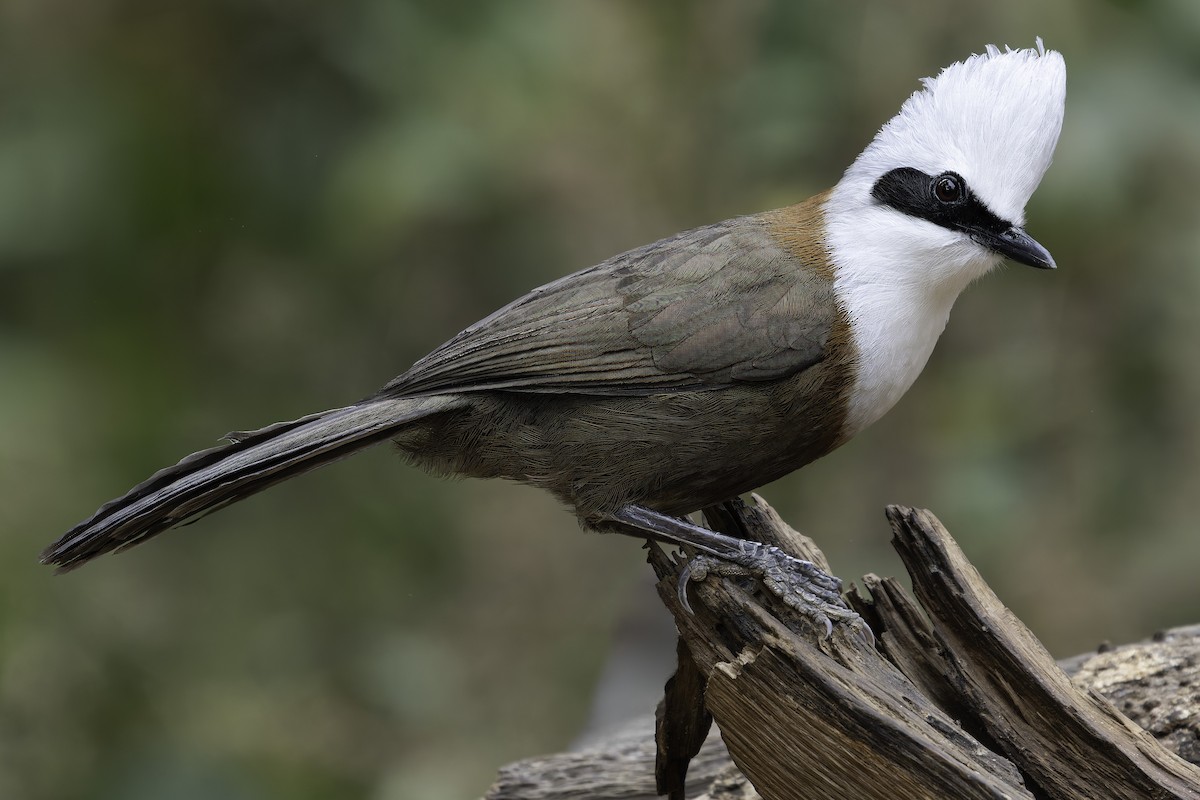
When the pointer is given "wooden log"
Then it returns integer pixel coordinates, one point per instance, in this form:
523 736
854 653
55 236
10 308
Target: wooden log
681 725
806 716
948 700
1073 744
1156 684
620 767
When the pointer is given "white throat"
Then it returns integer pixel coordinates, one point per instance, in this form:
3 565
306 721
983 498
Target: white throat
896 295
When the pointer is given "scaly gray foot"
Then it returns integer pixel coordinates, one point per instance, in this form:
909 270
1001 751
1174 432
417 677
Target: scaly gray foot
800 584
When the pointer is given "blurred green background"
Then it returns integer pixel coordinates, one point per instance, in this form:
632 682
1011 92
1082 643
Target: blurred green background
215 215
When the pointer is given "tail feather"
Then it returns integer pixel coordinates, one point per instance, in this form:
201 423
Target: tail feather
248 463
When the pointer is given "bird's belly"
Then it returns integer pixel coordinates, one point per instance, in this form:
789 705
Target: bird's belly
675 452
680 453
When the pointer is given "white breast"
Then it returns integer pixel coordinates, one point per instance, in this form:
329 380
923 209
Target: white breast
897 279
894 333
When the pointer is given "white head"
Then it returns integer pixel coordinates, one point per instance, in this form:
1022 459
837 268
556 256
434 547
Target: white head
988 124
936 200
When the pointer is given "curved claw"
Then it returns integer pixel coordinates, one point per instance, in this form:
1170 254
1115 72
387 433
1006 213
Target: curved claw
685 577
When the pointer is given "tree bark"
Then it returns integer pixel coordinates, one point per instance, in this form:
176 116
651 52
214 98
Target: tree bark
952 697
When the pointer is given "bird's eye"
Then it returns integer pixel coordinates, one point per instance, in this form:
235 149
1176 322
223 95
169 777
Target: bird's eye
948 188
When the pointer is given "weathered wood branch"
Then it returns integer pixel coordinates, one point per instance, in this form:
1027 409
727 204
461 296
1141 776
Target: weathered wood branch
1070 743
953 698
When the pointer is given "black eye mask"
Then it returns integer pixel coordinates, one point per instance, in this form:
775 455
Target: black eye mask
946 200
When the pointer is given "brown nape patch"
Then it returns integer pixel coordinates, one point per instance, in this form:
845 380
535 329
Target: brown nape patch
800 229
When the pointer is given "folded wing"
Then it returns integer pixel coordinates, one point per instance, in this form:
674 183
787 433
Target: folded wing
707 308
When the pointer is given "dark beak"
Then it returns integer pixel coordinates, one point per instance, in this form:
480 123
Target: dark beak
1016 244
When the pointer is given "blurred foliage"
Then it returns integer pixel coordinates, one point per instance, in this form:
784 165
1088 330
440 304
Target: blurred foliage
215 215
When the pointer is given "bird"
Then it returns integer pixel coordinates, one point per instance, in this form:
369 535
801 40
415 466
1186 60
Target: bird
687 372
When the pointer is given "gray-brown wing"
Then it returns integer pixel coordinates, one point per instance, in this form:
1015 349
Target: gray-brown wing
706 308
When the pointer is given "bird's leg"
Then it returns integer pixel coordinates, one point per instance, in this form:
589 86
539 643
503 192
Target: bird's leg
800 584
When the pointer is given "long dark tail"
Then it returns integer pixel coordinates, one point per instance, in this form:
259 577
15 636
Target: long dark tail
247 464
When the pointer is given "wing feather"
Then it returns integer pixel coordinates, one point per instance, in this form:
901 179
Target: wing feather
707 308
